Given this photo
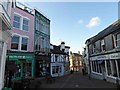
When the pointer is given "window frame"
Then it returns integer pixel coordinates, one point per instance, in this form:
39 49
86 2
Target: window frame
102 45
14 42
21 43
24 24
116 40
16 21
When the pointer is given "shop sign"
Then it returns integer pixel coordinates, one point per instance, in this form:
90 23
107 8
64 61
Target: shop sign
114 56
19 56
101 57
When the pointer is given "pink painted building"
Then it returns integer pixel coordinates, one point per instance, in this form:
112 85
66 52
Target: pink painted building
20 15
20 55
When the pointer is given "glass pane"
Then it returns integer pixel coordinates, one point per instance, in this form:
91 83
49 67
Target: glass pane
24 40
118 43
24 44
118 36
15 39
16 24
14 46
25 27
17 18
25 22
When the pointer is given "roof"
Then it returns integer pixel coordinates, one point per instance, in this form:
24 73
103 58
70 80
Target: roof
76 54
57 50
110 29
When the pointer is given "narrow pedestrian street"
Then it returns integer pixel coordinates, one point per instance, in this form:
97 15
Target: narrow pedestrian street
77 80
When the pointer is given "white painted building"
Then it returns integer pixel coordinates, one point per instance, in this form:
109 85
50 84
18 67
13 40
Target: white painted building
5 11
104 53
59 65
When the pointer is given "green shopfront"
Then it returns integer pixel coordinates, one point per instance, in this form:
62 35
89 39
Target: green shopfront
21 65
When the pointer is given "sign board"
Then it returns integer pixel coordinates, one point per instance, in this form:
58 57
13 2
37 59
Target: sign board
100 57
16 56
105 57
114 56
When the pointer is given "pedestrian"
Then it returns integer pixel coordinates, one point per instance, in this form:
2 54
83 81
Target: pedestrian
83 71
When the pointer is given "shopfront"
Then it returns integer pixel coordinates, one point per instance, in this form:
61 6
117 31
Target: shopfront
21 64
106 67
42 65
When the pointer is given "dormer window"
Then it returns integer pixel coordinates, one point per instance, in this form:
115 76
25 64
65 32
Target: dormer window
102 45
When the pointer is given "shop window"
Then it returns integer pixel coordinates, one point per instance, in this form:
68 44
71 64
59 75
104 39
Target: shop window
24 43
108 68
15 42
118 67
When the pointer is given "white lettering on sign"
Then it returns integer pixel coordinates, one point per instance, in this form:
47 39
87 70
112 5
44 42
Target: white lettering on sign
114 56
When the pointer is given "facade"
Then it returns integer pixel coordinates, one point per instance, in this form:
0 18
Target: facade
104 53
75 61
85 60
41 44
59 65
5 26
20 55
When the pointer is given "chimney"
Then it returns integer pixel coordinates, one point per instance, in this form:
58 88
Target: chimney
62 46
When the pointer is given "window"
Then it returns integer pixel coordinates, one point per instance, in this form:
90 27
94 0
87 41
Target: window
56 58
20 22
16 22
102 45
24 43
94 48
108 68
117 40
25 24
15 42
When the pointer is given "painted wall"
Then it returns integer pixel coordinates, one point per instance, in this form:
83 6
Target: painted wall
29 33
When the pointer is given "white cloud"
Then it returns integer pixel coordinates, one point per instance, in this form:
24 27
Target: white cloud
95 21
80 21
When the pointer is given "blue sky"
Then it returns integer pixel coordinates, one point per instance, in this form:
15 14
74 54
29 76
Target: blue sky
75 22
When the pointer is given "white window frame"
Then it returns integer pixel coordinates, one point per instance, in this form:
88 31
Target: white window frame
114 36
25 25
27 43
20 42
102 44
17 22
21 21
